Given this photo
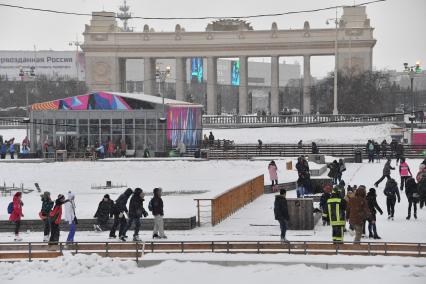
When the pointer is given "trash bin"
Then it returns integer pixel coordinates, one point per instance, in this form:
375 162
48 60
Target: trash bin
358 155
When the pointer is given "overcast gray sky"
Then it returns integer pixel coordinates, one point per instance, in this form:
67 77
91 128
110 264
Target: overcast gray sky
400 25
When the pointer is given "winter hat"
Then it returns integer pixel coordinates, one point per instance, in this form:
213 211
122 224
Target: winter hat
372 190
106 196
342 183
138 191
283 191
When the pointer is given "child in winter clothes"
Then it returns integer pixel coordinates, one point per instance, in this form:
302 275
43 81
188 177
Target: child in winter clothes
70 216
55 219
103 213
16 214
372 205
46 207
156 206
404 172
391 191
411 193
272 168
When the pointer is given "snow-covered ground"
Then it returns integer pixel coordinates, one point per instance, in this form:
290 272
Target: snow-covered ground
320 135
214 177
89 269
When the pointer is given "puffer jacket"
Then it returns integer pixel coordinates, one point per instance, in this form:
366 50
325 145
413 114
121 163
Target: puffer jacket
391 190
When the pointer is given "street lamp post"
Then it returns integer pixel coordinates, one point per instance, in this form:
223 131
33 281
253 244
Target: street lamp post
412 71
76 44
335 111
27 75
162 75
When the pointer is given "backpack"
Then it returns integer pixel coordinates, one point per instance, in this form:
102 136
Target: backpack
150 205
10 208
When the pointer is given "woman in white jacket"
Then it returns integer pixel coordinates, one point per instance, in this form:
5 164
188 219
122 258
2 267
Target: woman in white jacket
69 216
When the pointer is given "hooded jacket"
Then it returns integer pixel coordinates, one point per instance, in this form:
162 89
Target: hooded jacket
105 209
357 208
157 203
121 202
391 190
17 208
56 213
136 209
372 202
410 187
46 204
69 213
387 168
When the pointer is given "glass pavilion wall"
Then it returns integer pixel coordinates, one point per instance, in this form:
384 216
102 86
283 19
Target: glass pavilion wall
75 131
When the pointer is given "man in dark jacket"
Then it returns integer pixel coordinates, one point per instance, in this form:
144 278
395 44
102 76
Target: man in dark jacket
156 206
104 212
399 152
281 213
392 192
386 172
336 213
411 192
136 211
119 209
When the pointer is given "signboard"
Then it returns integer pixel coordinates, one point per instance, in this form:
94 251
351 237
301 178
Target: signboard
46 62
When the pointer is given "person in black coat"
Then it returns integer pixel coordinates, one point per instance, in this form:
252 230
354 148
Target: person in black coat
373 206
156 205
104 212
411 192
281 212
392 193
119 210
136 211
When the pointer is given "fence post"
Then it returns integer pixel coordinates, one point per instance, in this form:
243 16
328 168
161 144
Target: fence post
198 212
106 250
137 252
29 251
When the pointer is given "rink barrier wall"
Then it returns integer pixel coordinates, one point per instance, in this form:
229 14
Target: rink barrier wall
227 203
136 250
87 224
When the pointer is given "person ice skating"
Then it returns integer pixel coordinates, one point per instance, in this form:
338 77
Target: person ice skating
386 172
281 213
119 211
46 207
104 212
404 172
12 148
323 204
55 219
342 169
399 152
16 213
392 194
358 211
156 207
336 212
272 168
412 196
69 216
334 171
373 206
136 211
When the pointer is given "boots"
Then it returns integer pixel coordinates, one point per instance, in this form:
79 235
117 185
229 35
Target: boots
415 216
376 237
408 217
370 235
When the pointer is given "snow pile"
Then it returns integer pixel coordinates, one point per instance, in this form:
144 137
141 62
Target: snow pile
68 266
320 135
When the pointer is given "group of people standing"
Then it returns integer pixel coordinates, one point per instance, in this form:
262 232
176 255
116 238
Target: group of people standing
51 214
375 151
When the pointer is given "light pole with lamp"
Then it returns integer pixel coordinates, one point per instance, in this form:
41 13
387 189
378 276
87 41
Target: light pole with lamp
27 75
162 75
335 111
76 44
412 71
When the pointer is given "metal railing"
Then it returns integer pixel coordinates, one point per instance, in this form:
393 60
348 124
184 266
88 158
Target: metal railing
209 120
136 250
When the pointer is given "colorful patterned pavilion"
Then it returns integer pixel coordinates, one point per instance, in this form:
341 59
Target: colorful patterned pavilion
138 120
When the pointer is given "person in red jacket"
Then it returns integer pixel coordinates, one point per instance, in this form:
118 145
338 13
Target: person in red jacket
16 214
55 220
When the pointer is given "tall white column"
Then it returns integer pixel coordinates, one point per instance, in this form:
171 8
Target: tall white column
211 85
306 84
181 79
122 74
149 76
243 89
275 69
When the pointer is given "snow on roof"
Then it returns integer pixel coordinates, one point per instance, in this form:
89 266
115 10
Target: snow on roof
153 99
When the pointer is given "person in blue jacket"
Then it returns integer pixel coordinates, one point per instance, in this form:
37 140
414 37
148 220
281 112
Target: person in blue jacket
3 149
